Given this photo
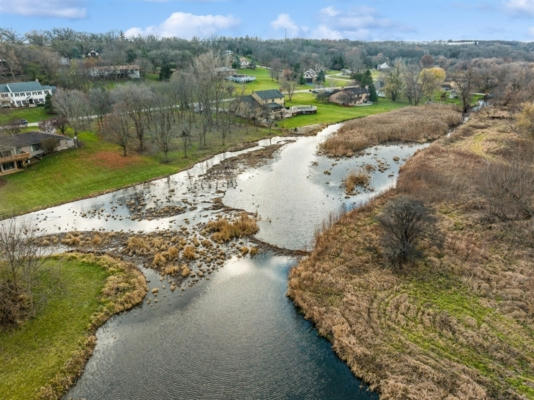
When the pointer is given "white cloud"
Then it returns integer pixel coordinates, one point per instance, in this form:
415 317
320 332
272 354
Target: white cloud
329 11
187 26
361 23
285 23
72 9
520 6
324 32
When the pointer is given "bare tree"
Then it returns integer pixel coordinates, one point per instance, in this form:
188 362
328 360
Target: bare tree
405 223
163 120
393 81
136 100
288 86
206 84
20 259
508 189
100 101
412 85
73 106
464 77
117 127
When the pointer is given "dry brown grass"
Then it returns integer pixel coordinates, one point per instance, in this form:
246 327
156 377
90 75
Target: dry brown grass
224 230
124 289
356 179
190 252
409 124
458 323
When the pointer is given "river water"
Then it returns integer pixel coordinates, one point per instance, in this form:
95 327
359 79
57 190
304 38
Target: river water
235 335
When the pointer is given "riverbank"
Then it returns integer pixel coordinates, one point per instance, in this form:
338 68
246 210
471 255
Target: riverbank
411 124
79 292
458 323
98 167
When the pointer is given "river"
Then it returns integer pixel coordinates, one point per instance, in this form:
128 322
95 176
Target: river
235 335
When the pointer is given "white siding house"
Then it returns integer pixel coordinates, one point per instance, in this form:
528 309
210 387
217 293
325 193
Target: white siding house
24 94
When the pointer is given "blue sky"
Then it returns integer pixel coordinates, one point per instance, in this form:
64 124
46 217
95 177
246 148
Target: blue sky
414 20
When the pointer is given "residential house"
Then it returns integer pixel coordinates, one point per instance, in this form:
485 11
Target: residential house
93 53
24 94
240 78
350 96
310 75
383 67
346 72
225 71
244 62
261 105
265 105
130 71
20 150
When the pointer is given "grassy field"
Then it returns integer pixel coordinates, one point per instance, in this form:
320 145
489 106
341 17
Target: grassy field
331 113
35 114
263 81
97 167
31 355
456 323
75 291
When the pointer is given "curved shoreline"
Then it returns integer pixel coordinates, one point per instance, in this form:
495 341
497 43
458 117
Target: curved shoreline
114 300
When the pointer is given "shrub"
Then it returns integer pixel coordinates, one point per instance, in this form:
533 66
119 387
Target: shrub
185 271
190 252
225 230
354 179
405 223
508 189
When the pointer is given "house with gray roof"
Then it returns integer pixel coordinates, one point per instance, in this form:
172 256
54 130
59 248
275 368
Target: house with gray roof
20 150
24 94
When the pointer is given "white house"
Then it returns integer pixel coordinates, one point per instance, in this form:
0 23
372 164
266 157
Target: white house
244 62
24 94
383 67
310 75
130 71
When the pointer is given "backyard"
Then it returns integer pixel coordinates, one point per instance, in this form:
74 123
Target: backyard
97 167
331 113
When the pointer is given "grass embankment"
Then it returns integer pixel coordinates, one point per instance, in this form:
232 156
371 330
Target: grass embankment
34 114
332 113
98 167
459 323
43 357
410 124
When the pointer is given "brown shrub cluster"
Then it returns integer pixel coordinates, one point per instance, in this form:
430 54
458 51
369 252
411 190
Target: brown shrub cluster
409 124
224 230
356 179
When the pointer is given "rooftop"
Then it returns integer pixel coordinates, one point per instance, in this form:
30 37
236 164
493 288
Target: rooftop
269 94
15 87
26 139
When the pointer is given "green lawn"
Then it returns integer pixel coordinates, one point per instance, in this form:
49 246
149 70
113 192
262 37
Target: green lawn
35 114
263 81
31 355
330 113
97 167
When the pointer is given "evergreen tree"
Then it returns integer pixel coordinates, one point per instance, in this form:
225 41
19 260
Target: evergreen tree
366 79
165 72
321 76
49 108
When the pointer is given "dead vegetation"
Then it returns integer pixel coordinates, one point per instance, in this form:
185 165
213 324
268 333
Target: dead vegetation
223 230
409 124
457 323
356 179
124 289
